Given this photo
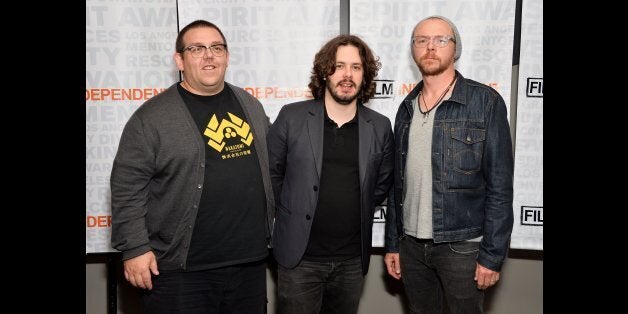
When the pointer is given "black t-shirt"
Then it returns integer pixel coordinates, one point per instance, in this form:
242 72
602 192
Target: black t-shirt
230 224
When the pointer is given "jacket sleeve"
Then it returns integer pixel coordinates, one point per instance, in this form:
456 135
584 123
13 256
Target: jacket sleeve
391 231
386 168
391 236
498 168
276 140
133 167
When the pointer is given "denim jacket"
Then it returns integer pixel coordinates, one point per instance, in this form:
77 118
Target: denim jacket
472 171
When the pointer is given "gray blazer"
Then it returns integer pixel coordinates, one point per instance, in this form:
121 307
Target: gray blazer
158 175
295 149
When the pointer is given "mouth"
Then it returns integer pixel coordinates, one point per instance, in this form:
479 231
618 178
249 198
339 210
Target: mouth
430 57
346 86
346 83
209 67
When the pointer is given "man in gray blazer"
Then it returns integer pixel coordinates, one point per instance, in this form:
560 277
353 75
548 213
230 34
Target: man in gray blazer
331 163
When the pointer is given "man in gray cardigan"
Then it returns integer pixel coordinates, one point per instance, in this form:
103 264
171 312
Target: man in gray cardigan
191 198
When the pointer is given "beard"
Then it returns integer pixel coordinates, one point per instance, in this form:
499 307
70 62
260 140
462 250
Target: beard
345 99
432 69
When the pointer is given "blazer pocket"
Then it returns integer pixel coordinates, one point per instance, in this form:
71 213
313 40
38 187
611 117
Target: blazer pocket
283 209
376 157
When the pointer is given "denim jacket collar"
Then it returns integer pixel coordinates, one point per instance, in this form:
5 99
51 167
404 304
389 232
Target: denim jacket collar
457 95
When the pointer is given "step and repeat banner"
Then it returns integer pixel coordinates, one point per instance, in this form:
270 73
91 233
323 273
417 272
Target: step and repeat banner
486 28
129 52
272 43
528 202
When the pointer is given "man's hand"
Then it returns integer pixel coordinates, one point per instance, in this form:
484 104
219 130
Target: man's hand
392 265
138 270
485 277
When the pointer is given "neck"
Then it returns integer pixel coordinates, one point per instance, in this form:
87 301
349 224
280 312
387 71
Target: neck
433 103
208 91
433 85
340 113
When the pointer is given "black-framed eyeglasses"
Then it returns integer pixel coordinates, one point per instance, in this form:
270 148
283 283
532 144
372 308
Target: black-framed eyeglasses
438 41
198 51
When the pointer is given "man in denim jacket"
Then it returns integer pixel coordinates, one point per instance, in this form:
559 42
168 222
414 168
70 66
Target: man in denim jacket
450 213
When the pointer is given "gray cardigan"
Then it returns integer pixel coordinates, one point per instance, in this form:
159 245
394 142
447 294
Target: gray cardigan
158 173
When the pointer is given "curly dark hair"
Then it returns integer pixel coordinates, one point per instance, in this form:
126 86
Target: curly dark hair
325 65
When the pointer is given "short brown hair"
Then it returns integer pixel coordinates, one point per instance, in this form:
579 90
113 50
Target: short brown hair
179 46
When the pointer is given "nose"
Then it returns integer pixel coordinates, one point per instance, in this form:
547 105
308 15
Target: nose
430 45
348 72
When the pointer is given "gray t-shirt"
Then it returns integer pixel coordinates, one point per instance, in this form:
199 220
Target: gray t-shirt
417 194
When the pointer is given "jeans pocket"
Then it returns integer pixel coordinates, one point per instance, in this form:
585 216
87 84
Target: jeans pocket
465 247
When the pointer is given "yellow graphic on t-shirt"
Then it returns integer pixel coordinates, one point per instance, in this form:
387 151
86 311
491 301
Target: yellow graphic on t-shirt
228 128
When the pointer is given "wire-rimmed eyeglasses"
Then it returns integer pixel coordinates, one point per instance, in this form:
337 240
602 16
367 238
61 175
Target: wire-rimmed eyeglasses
438 41
198 51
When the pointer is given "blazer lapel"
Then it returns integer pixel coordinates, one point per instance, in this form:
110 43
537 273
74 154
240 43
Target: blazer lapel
315 130
366 135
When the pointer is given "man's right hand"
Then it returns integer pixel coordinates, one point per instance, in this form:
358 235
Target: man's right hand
392 265
138 270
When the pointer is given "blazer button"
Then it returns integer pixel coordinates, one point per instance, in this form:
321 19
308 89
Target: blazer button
315 188
308 217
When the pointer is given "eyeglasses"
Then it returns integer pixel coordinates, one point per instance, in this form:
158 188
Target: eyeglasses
198 51
438 41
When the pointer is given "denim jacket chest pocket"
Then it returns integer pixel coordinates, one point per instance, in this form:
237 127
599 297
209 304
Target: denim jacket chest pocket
467 147
465 151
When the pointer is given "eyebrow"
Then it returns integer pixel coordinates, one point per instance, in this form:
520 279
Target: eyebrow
340 62
432 36
202 44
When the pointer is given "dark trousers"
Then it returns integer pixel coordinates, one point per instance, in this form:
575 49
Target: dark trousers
320 287
429 270
237 289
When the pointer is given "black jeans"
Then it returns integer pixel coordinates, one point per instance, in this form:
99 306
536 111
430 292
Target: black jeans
237 289
320 287
428 269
